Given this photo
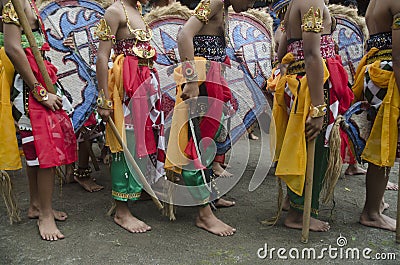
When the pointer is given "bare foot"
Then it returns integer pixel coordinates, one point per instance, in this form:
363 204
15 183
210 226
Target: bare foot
286 204
355 169
215 226
88 184
384 206
378 221
131 223
222 203
253 136
392 186
219 171
48 229
294 220
33 213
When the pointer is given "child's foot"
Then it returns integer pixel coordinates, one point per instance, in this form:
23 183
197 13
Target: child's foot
219 171
48 229
33 213
131 223
215 226
295 220
355 169
222 203
392 186
378 221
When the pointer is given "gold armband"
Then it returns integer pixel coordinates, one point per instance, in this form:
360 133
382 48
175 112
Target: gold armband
103 31
104 103
9 14
396 22
203 11
317 111
312 21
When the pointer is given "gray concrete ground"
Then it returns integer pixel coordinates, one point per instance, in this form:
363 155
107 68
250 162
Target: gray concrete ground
93 238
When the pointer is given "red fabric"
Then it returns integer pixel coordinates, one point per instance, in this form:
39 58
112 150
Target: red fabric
219 159
342 93
28 147
55 141
218 93
138 88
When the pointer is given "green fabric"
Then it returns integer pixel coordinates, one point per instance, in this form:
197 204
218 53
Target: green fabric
194 179
124 184
24 40
320 166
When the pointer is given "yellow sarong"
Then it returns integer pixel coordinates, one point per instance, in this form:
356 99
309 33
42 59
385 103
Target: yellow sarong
9 153
381 145
291 151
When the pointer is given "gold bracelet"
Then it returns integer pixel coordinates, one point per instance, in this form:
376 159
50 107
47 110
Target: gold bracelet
39 92
317 111
104 103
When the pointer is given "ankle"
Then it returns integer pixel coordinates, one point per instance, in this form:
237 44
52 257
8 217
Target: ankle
82 172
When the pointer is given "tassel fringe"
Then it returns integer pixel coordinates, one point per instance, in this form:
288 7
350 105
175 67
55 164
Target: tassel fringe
334 163
6 191
169 209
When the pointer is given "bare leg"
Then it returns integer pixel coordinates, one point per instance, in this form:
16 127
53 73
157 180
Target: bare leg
375 187
87 183
33 211
294 220
286 203
219 171
125 219
209 222
47 226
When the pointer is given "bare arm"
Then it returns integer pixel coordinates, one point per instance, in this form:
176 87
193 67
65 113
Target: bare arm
14 51
185 45
314 69
313 60
104 51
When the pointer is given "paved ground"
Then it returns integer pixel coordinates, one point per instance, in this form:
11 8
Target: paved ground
93 238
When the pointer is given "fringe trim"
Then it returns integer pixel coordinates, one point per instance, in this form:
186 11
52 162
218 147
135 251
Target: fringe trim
175 9
169 209
7 192
273 220
352 15
334 163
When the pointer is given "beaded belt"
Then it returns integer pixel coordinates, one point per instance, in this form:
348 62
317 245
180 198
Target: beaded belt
296 68
382 55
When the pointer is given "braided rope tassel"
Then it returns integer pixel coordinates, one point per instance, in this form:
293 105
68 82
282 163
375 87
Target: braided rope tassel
334 163
6 191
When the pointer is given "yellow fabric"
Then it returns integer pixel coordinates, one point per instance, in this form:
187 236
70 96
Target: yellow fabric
116 93
291 152
178 137
273 80
9 153
381 145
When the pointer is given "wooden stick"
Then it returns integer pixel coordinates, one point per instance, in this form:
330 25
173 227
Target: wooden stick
33 45
398 213
308 191
135 166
